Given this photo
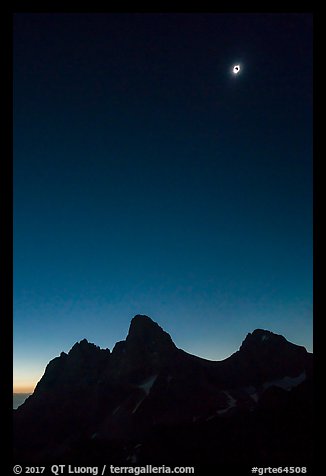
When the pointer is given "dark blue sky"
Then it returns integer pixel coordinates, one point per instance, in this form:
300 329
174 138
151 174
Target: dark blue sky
148 179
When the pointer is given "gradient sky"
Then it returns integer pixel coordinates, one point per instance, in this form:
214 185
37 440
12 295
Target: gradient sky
148 179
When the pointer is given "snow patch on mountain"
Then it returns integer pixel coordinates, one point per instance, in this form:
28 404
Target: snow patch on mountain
138 404
146 386
252 392
231 403
286 383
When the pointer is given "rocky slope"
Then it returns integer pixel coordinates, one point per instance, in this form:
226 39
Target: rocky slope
148 401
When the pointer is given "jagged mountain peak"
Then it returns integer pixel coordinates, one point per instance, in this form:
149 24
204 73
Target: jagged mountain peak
84 347
83 363
144 331
96 398
265 339
146 349
261 336
268 356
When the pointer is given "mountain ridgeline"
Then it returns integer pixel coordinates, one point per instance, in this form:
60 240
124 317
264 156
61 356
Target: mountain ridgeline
148 402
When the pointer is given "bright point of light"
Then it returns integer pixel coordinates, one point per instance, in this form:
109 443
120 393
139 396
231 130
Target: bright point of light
236 69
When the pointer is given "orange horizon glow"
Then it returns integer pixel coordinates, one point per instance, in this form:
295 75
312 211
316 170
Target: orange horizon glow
24 388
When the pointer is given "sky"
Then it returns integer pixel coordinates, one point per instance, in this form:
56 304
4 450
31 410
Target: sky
149 179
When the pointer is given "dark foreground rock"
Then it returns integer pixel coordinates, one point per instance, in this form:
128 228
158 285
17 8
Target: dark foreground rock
148 402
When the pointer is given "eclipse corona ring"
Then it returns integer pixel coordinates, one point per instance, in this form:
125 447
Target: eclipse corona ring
236 69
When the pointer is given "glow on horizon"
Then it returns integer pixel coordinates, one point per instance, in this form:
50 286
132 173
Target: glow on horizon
27 384
24 387
175 187
26 379
26 376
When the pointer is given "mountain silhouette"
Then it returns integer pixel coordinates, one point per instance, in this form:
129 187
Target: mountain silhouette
148 401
